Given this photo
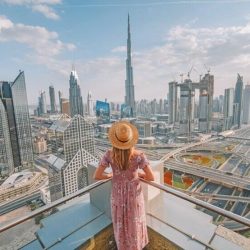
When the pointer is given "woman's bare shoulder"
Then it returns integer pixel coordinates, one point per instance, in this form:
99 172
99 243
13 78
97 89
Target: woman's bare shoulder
109 152
137 152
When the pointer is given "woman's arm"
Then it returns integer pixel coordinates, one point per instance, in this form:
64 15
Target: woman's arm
100 175
147 173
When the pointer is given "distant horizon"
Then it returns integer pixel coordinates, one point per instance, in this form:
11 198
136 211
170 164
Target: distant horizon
168 39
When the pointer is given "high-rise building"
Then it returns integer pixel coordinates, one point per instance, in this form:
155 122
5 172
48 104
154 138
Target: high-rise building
60 97
21 110
7 100
161 106
52 99
65 106
237 116
186 113
90 105
153 107
216 105
129 82
172 102
6 156
75 97
14 99
228 108
72 142
246 105
206 87
144 128
221 103
42 104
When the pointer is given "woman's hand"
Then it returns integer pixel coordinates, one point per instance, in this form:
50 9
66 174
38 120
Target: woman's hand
101 175
147 173
141 175
110 175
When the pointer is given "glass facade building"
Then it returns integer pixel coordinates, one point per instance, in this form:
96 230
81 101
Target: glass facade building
6 157
52 99
102 112
6 96
75 97
238 96
21 111
246 105
228 108
15 104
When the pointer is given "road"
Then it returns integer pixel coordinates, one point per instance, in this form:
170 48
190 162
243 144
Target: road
209 173
10 206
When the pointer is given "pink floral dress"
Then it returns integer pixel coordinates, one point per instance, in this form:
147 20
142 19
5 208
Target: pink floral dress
127 203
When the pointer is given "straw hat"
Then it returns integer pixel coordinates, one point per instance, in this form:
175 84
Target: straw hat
123 135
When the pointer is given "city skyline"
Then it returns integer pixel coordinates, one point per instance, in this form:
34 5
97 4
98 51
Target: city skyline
163 46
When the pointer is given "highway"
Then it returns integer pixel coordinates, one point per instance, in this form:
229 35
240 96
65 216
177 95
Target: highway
209 173
19 202
172 153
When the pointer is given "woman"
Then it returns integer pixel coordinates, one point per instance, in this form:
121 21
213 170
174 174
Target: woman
127 203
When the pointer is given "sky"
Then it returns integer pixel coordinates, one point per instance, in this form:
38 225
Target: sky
46 37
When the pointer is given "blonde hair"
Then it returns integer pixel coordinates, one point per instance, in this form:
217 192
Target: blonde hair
121 157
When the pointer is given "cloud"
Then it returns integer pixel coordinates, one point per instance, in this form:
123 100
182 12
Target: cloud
226 50
41 6
46 11
46 48
119 49
43 42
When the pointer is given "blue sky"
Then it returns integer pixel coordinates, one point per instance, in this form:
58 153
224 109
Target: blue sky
45 37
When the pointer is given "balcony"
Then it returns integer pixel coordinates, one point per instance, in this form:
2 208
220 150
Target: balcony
83 221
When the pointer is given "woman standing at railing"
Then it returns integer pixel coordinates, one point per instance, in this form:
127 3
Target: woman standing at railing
127 202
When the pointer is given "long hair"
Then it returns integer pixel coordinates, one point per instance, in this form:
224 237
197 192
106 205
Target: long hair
121 157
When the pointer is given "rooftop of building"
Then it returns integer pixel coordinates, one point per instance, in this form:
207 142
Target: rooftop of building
17 179
55 162
60 125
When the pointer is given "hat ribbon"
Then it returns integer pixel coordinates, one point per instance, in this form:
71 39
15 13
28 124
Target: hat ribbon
121 140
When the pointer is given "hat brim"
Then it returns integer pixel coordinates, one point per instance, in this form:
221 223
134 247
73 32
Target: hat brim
123 145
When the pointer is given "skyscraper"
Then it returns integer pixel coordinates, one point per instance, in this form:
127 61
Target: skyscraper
129 83
246 105
228 108
172 102
14 100
75 97
186 112
52 99
206 87
238 101
42 104
7 100
6 157
90 105
65 106
21 110
60 101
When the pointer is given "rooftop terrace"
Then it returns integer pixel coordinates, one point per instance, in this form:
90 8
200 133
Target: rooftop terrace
82 221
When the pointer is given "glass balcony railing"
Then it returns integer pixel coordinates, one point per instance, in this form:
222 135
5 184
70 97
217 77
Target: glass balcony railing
83 221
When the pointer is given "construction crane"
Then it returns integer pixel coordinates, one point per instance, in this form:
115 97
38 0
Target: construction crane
208 69
189 72
197 73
